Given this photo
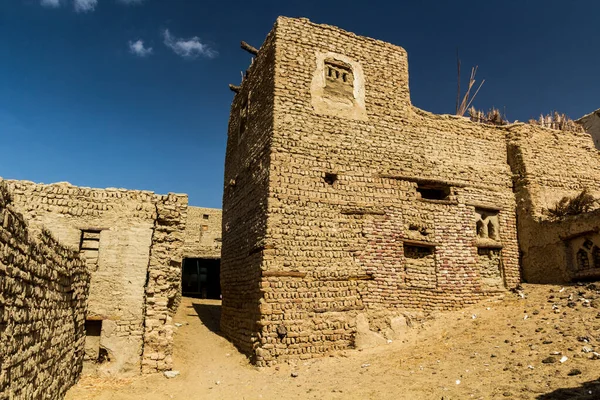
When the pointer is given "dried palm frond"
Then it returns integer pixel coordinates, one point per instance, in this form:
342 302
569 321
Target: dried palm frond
492 117
559 122
582 203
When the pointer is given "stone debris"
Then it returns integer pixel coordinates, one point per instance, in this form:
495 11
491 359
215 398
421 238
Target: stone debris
171 374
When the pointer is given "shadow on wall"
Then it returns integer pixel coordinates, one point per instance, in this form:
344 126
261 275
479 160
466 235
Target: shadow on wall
587 391
210 315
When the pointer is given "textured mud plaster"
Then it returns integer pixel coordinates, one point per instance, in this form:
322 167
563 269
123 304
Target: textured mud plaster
338 87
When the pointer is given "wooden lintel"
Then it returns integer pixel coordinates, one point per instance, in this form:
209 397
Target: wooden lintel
288 274
484 206
420 243
421 180
362 211
579 234
250 49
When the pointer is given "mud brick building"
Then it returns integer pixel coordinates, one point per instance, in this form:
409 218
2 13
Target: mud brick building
202 253
346 209
132 244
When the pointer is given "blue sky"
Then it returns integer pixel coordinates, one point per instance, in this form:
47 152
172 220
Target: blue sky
133 93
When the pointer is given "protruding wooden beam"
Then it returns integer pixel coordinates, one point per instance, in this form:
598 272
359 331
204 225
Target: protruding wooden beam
248 48
234 88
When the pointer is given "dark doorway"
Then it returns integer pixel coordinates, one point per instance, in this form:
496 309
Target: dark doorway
201 278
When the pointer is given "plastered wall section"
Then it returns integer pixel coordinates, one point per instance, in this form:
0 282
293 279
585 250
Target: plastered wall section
549 165
245 197
128 222
342 198
203 236
43 294
591 124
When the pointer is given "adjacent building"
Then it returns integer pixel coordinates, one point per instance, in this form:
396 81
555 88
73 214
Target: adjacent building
346 209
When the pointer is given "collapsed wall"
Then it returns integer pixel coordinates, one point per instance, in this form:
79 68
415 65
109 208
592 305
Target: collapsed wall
132 244
547 166
43 294
353 208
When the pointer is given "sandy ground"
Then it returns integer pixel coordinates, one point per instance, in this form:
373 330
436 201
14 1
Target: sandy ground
494 350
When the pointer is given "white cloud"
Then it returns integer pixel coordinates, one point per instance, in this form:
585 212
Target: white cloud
188 48
139 49
85 5
50 3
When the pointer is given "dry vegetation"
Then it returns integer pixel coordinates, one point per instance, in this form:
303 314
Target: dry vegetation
559 122
582 203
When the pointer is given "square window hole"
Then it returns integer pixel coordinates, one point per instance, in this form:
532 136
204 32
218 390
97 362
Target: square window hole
433 191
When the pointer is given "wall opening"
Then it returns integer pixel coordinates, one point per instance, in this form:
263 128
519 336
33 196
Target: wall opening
487 224
93 330
433 191
330 178
201 278
89 246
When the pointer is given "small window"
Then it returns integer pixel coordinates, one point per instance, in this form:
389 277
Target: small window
416 252
205 216
330 178
487 224
339 79
433 191
243 119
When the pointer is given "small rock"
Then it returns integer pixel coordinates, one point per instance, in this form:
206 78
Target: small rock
177 324
507 394
171 374
365 365
563 359
549 360
574 372
294 374
595 356
587 349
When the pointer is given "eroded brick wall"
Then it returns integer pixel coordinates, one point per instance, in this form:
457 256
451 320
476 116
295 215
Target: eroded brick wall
43 294
122 228
163 290
349 167
549 165
245 198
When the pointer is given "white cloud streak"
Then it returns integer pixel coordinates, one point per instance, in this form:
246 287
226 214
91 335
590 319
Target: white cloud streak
139 49
188 48
50 3
85 5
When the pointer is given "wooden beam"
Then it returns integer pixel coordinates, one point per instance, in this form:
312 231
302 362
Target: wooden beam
250 49
234 88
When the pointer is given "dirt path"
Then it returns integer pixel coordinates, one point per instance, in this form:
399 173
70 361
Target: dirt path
493 350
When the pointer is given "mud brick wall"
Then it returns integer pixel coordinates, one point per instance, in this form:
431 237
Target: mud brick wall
549 165
121 229
203 233
163 291
345 179
43 294
245 197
